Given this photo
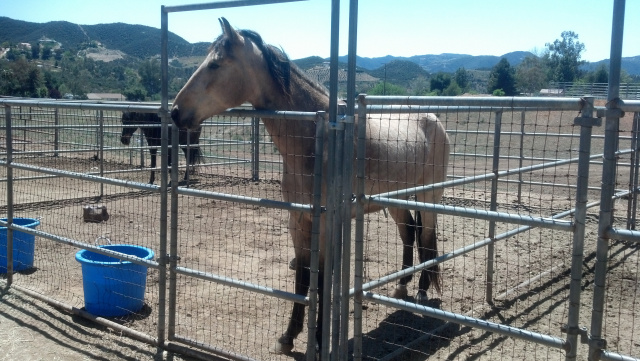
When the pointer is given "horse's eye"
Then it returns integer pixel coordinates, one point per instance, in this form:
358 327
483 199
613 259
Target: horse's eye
213 65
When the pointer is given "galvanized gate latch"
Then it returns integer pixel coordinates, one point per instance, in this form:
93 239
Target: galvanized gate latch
587 122
585 337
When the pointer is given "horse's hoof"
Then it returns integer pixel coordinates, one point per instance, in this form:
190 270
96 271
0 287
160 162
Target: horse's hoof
280 348
400 292
292 264
422 297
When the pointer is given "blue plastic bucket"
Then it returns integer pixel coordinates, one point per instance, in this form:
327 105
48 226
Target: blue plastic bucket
113 287
23 245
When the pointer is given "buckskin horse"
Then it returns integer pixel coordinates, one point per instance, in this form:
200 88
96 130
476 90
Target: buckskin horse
403 152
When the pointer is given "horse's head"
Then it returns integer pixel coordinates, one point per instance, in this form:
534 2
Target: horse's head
127 130
238 68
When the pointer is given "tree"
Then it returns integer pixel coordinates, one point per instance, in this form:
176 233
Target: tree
452 90
135 93
46 53
35 50
440 82
22 79
600 75
462 79
149 72
386 88
563 57
419 86
502 76
531 75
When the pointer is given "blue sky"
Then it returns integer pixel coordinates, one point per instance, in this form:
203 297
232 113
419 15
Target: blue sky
386 27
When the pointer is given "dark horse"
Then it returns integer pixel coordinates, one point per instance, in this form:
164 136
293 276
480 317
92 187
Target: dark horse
191 139
403 151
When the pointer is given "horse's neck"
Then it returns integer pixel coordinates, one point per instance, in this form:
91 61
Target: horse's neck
305 96
291 136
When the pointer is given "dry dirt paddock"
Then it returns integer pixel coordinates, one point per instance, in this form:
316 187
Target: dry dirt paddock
252 244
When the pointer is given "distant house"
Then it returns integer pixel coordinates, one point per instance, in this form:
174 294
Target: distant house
552 92
106 96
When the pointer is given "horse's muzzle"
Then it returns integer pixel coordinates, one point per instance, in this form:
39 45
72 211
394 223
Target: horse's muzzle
177 119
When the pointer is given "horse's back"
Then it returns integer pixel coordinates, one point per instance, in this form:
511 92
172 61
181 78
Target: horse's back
405 150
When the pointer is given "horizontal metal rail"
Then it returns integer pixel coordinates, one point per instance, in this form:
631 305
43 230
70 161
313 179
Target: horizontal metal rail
543 339
456 253
247 286
115 106
495 102
83 176
473 179
612 356
623 234
83 245
261 202
471 213
221 5
84 314
228 355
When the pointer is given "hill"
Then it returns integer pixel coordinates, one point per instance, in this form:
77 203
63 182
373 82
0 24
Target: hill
134 40
630 64
400 72
144 42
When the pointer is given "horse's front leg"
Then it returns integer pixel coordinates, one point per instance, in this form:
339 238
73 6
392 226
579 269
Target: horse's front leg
296 322
301 235
407 230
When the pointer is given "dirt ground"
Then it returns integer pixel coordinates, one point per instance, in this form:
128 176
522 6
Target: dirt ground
251 243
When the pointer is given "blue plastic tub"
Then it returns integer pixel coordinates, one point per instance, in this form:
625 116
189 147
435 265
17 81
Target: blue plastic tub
23 245
113 287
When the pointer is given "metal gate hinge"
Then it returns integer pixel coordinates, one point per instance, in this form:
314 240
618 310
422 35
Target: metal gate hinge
338 125
168 258
347 119
613 112
582 331
588 122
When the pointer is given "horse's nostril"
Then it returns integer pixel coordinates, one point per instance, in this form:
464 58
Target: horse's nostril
175 114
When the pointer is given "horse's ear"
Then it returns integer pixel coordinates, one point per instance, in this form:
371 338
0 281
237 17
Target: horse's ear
231 34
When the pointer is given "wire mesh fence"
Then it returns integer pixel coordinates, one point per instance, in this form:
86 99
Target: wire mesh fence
233 246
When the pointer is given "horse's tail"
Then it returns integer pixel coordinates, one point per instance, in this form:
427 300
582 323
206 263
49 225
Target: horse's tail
195 155
430 250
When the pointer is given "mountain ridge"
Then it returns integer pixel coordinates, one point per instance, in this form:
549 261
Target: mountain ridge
143 42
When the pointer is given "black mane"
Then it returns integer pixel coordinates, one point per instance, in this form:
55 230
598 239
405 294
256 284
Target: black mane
277 61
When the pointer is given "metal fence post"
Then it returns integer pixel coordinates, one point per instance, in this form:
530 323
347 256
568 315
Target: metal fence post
9 135
612 126
493 207
163 252
358 270
333 264
314 262
101 148
255 149
347 185
141 145
56 132
633 173
521 160
586 123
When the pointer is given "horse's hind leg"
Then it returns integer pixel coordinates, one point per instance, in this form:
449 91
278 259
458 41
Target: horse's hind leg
427 250
407 230
152 177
